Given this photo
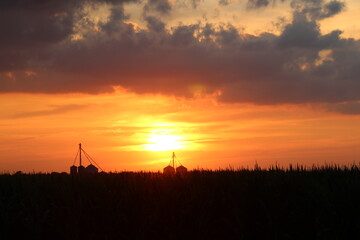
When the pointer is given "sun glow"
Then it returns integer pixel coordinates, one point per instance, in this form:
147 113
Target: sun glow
163 142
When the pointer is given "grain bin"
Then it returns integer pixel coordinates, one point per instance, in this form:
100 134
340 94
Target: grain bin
169 170
181 170
81 169
91 169
73 169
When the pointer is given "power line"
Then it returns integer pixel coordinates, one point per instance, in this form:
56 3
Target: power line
76 157
88 157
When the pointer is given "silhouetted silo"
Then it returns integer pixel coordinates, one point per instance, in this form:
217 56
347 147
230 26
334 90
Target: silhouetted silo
169 170
91 169
81 169
181 169
73 169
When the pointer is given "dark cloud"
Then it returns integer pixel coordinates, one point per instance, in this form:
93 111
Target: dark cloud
317 9
29 26
184 35
306 34
252 4
33 27
300 33
228 36
314 9
154 24
301 65
159 6
352 108
115 21
29 23
332 8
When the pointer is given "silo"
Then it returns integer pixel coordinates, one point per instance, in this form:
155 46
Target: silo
169 170
181 170
91 169
81 169
73 169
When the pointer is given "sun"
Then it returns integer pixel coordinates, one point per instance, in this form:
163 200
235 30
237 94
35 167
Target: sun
163 142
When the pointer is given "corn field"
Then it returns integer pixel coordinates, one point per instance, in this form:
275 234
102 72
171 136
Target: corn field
293 203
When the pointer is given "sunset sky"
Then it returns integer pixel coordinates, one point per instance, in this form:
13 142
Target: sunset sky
223 83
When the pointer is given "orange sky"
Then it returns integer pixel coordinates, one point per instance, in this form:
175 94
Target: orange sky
221 83
41 132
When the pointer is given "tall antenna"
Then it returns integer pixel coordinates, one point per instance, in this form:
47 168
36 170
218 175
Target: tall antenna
80 152
173 159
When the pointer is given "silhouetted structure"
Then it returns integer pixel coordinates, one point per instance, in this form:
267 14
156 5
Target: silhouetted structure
73 169
91 169
172 169
169 170
181 169
81 169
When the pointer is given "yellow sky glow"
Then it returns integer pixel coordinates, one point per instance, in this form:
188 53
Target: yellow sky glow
163 141
125 131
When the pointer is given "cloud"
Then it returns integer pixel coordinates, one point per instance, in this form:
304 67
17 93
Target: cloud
332 8
188 59
159 6
304 33
28 27
314 9
53 111
253 4
154 24
318 9
352 108
115 21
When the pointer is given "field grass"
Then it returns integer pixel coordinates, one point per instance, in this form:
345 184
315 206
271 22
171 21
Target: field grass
264 204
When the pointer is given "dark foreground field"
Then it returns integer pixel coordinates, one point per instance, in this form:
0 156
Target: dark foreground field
321 204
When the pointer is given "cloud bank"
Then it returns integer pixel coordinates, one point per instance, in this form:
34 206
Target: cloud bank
44 51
